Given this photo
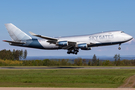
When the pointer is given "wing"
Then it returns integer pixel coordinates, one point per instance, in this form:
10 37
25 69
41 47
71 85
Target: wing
55 40
65 44
44 37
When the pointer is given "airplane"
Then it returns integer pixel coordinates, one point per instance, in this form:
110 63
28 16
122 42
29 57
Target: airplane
70 43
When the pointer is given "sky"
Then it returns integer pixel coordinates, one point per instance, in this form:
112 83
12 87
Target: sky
55 18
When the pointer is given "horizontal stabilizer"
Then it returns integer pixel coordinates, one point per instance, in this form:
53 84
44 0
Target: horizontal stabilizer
13 42
44 37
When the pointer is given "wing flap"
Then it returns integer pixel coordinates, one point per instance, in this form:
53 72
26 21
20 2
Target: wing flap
67 47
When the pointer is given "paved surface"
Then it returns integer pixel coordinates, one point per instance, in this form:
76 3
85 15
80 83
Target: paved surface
21 67
19 88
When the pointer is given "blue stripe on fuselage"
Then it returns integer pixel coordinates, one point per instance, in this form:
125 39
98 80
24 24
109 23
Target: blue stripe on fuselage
34 43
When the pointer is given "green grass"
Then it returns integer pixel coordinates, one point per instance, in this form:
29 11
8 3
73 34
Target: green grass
64 78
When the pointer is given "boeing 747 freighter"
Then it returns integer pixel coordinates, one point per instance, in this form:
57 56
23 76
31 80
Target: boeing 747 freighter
72 44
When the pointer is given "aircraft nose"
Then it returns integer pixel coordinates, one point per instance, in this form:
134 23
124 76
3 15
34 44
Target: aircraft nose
129 37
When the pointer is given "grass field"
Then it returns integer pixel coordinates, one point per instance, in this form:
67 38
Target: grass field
64 78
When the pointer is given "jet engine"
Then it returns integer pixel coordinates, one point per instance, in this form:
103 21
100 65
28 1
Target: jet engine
62 43
84 45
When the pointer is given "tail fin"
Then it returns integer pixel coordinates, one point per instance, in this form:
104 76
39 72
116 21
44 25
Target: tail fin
15 33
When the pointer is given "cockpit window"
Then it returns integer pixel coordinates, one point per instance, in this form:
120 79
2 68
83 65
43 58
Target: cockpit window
122 32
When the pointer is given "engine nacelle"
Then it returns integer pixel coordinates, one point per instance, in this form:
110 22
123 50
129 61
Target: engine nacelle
88 48
62 43
84 45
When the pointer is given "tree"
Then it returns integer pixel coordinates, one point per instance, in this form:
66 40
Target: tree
98 62
106 63
116 58
94 60
89 63
17 54
84 62
63 62
13 53
6 54
21 54
78 62
118 63
25 54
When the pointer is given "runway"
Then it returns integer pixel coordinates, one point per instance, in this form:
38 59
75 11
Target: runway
44 67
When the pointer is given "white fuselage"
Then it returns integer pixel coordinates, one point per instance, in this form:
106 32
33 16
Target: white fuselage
99 39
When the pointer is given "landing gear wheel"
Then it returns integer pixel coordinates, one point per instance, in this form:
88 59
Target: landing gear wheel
75 52
68 52
119 48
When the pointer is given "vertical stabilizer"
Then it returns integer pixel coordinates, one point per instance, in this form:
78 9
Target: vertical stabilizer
15 33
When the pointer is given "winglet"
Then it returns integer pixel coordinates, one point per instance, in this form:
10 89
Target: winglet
32 33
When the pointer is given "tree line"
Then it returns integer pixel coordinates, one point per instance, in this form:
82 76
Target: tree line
13 55
66 62
12 58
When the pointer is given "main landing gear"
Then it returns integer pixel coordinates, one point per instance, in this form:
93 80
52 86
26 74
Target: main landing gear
74 51
119 47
